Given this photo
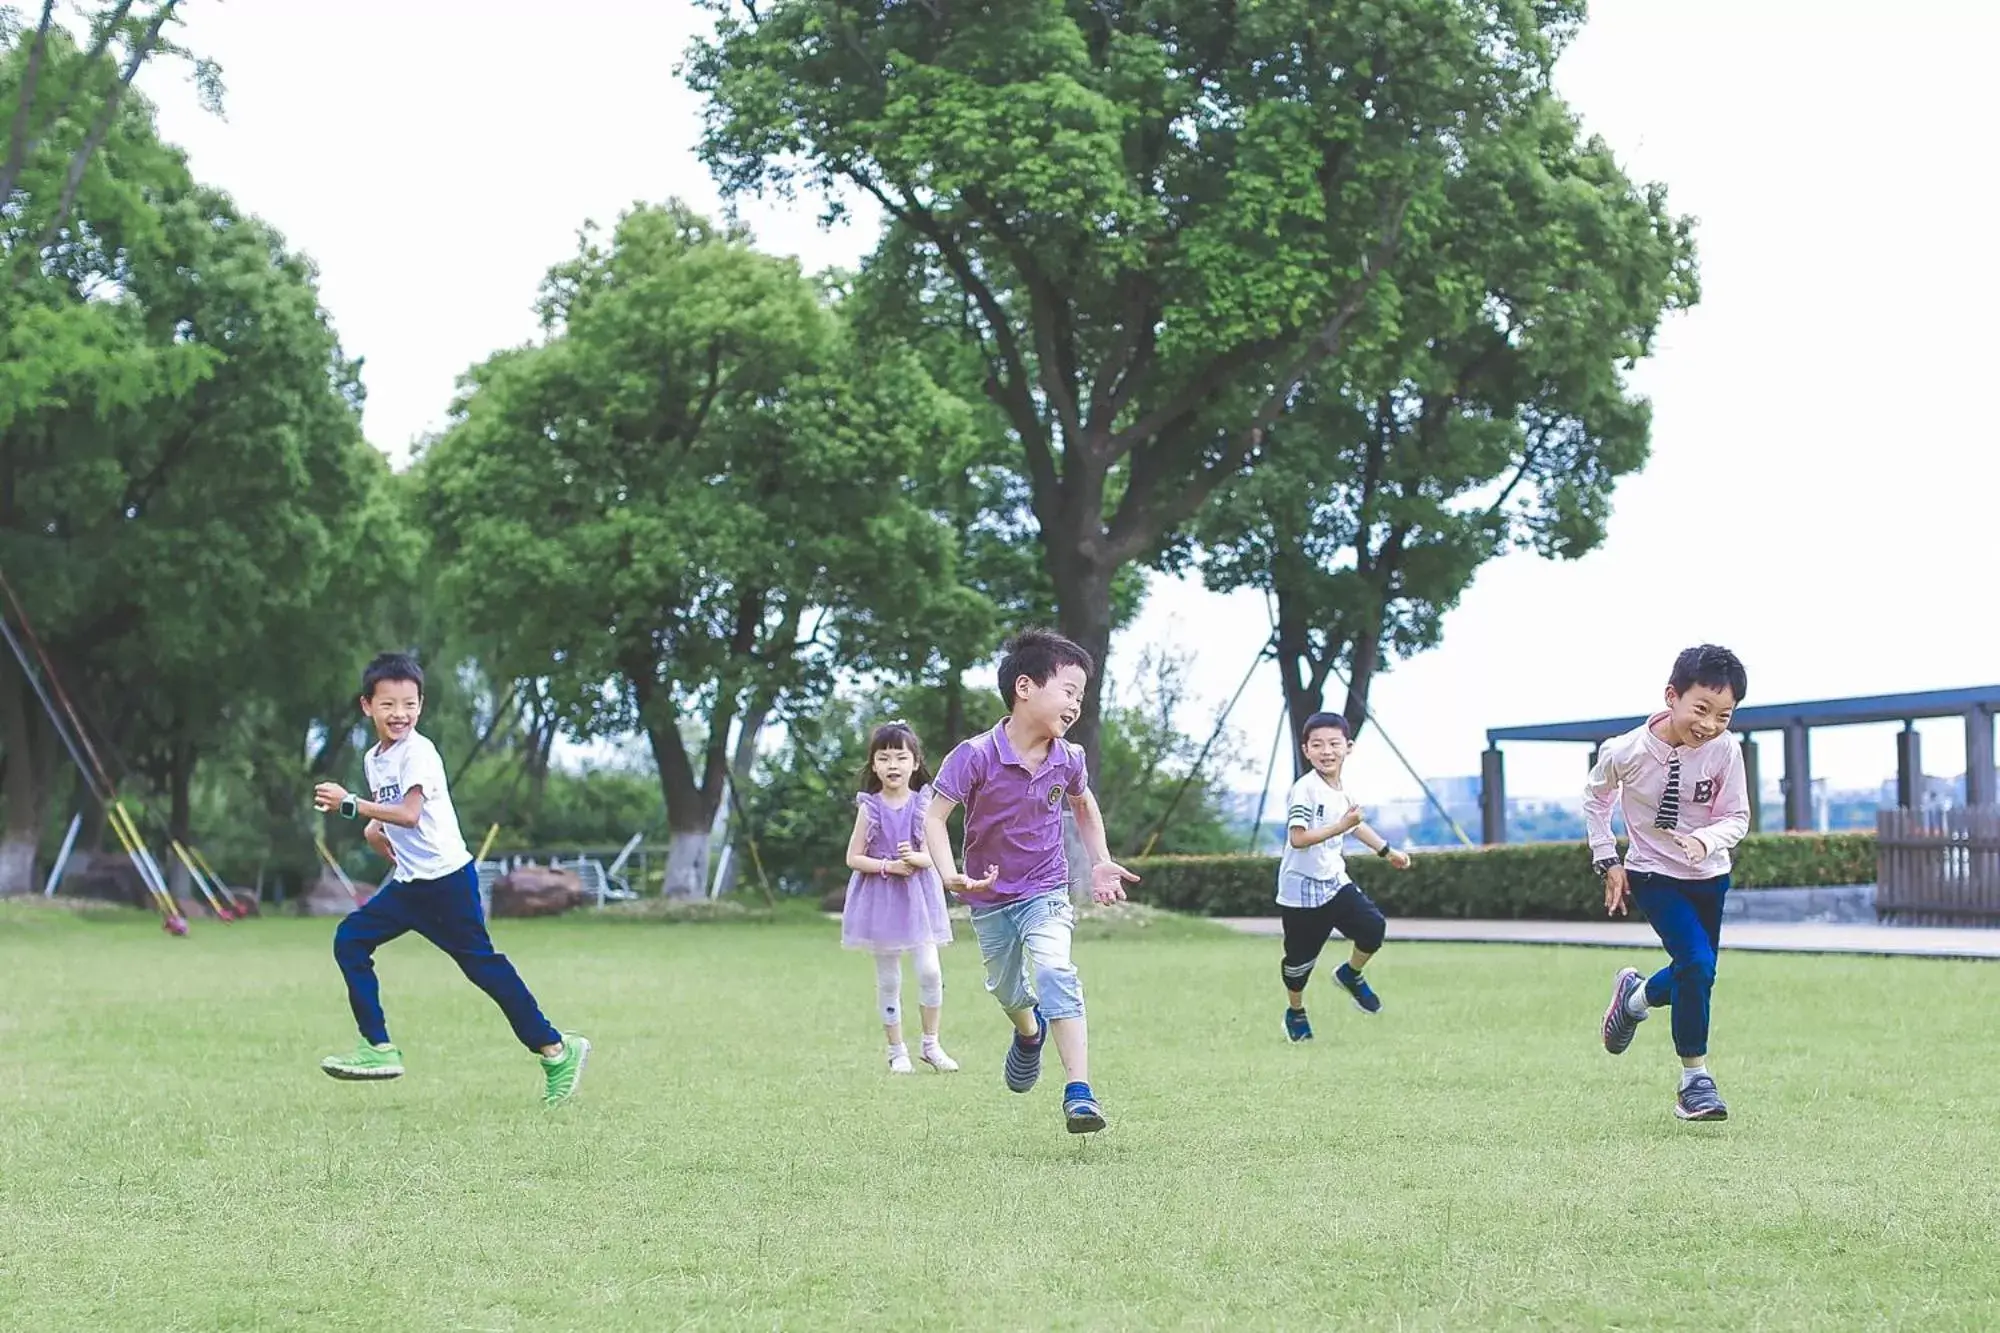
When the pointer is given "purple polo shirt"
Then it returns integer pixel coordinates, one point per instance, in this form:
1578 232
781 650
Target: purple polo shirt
1013 818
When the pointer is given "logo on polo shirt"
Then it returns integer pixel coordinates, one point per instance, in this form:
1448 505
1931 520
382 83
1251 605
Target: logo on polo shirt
1704 791
1055 795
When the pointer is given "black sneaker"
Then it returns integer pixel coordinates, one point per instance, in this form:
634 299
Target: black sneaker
1024 1058
1296 1026
1619 1020
1700 1101
1366 1000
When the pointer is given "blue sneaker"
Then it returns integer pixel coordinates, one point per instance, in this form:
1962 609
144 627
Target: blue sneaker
1366 1000
1296 1026
1024 1057
1700 1101
1080 1110
1619 1020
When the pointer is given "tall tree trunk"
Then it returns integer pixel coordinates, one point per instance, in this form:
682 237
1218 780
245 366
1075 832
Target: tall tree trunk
22 785
690 811
1302 672
954 710
1361 674
1083 615
180 818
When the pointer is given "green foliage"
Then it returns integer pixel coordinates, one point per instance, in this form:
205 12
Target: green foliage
1541 881
191 514
1492 413
689 502
1151 222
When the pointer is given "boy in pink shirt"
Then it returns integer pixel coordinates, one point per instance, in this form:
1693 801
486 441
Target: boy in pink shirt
1679 780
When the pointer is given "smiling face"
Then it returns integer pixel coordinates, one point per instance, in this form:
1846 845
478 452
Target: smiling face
1326 750
394 708
1699 713
1054 705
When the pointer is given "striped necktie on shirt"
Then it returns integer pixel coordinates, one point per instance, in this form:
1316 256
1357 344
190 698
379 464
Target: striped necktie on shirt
1669 816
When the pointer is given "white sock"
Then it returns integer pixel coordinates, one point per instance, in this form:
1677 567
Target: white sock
1690 1075
930 1041
899 1050
1636 1005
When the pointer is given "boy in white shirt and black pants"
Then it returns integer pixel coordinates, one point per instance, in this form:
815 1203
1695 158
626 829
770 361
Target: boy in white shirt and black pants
1315 896
435 891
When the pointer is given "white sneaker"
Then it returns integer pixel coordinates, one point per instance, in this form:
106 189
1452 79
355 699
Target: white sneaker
935 1057
899 1061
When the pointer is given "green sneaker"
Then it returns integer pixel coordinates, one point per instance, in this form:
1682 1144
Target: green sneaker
367 1062
565 1072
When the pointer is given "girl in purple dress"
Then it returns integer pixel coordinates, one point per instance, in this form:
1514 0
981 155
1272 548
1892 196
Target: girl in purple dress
895 901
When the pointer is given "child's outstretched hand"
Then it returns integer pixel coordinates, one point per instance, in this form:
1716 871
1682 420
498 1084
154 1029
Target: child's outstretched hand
328 796
960 882
1399 858
1108 880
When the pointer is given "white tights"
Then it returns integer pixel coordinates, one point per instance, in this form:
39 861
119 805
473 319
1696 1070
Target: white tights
889 980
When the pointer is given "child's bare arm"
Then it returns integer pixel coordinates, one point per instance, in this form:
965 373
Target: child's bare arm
858 859
1107 878
331 796
937 842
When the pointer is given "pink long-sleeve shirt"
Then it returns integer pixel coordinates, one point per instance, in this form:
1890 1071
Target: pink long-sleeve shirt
1714 806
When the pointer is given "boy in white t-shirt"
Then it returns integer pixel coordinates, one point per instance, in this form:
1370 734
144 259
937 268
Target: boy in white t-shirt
1315 896
435 889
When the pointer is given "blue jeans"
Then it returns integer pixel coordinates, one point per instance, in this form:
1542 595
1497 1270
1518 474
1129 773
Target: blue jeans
1687 916
1026 948
446 912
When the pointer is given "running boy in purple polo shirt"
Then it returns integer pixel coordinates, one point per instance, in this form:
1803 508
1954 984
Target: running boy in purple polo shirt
1012 781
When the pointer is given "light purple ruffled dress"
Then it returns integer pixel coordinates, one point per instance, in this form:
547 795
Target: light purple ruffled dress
894 912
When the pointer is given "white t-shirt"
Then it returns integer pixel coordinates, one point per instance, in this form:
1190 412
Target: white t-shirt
1310 876
434 848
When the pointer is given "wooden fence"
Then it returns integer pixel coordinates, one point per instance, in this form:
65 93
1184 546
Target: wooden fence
1938 867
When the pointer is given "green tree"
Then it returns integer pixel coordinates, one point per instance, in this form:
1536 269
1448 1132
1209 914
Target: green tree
1494 417
78 365
1154 220
688 505
62 104
207 537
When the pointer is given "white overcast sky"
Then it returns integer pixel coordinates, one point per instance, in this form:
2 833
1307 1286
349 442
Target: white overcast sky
1821 491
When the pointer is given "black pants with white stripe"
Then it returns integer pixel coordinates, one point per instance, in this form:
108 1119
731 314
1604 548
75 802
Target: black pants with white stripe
1307 929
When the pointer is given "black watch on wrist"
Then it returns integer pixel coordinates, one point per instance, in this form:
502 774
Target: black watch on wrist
1384 850
1603 867
350 807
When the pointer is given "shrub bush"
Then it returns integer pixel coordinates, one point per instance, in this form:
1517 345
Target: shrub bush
1524 881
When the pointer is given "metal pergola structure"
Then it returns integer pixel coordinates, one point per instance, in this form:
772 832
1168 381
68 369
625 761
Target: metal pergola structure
1796 721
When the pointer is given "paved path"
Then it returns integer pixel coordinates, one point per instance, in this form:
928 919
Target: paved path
1761 936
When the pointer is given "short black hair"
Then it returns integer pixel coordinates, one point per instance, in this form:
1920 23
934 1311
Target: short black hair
391 666
1320 721
1709 665
1038 654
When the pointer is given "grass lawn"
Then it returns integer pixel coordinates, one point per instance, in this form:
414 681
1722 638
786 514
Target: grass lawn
171 1158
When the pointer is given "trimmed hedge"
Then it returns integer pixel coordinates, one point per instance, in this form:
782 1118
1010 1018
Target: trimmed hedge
1522 881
